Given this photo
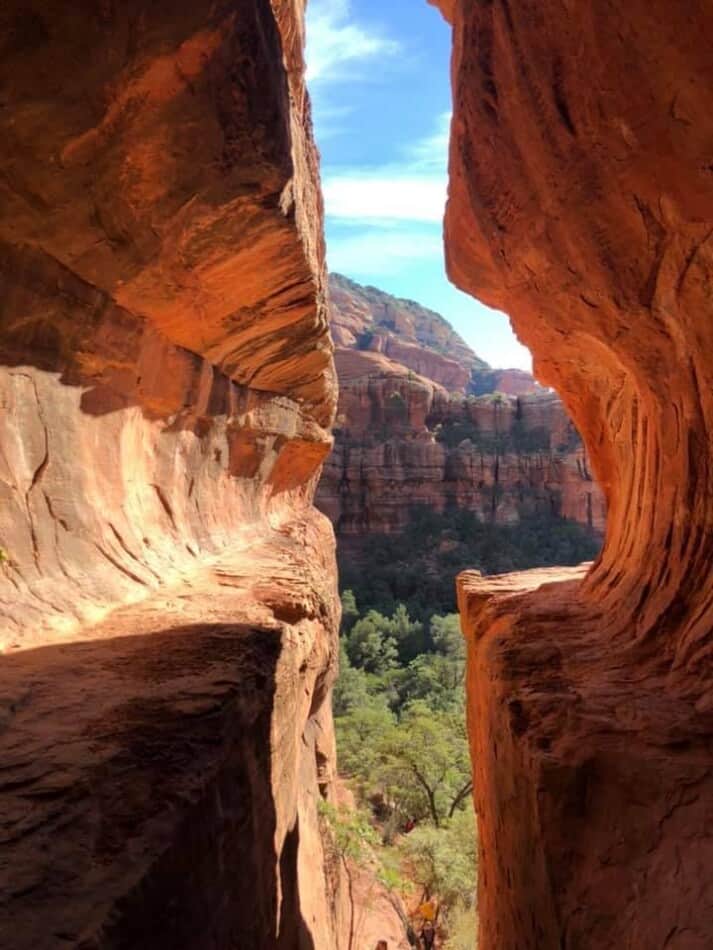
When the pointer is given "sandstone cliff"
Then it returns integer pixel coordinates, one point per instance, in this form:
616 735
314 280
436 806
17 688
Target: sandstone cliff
403 440
370 320
168 608
580 203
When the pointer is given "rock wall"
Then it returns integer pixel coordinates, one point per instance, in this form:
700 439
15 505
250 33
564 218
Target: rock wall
403 331
402 442
402 439
168 609
580 203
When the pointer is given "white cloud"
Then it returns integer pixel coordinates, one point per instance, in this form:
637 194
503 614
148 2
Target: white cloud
432 152
410 191
336 42
378 253
384 195
333 120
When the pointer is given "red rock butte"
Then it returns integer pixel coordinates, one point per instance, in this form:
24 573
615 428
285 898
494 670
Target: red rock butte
406 433
581 203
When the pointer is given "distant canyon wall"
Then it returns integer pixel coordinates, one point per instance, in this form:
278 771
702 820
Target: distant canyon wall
402 439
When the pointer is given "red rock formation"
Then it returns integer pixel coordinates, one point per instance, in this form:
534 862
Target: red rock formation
516 382
402 330
403 440
168 608
580 203
511 382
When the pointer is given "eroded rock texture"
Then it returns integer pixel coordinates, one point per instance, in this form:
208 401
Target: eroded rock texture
167 591
404 438
401 330
581 201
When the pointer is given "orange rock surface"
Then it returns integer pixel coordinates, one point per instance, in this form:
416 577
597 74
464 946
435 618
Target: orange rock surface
516 382
402 330
168 608
581 200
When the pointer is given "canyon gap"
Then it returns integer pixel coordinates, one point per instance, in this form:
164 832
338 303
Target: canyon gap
168 591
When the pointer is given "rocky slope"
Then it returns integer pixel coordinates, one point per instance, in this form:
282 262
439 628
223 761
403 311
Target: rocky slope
403 439
369 320
580 203
168 609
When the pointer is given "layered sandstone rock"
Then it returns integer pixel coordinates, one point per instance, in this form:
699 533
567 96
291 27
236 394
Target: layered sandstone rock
580 203
513 382
403 440
168 607
402 330
401 443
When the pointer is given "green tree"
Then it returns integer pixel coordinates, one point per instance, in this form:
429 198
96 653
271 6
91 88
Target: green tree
443 863
370 645
358 735
423 764
447 637
433 678
350 611
352 687
408 634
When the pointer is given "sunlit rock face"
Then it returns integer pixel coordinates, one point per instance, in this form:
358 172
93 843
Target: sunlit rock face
367 319
581 200
168 609
405 438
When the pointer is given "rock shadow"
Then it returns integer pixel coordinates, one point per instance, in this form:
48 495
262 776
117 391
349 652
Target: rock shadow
136 795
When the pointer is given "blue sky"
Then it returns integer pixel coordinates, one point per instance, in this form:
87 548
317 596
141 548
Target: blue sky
378 73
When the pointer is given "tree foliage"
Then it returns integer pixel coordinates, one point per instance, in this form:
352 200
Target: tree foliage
417 567
400 721
350 611
422 764
441 860
352 832
371 645
351 691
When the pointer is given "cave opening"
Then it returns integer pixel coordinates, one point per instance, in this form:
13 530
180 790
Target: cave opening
169 604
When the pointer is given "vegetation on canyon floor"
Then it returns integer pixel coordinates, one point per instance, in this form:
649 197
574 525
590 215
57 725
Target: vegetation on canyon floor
400 722
417 567
399 701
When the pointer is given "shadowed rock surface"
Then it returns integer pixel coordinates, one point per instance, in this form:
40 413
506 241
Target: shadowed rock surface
151 785
581 201
168 609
